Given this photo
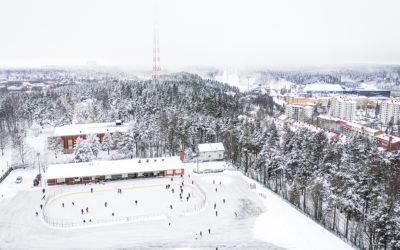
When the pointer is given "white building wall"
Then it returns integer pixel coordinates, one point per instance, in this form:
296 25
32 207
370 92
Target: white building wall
211 156
389 110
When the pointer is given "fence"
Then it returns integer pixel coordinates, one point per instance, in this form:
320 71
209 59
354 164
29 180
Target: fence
64 223
326 221
5 175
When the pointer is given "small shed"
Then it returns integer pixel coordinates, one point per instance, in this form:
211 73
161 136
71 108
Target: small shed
211 151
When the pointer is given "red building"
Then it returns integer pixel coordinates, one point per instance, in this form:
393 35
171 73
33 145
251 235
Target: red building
388 142
69 133
94 171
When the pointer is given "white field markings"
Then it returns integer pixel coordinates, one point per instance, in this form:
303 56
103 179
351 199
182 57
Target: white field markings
187 212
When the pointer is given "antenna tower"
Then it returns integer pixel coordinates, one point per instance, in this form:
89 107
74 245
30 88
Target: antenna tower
156 76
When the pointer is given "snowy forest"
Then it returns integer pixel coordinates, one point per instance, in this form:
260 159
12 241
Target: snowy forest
350 187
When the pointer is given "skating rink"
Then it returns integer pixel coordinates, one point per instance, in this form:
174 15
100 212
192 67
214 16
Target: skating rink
154 200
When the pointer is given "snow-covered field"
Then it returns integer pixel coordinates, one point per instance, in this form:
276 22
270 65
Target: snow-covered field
262 220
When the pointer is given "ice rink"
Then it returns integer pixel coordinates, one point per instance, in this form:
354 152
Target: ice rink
139 199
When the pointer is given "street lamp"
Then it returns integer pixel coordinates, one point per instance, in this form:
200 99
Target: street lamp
38 155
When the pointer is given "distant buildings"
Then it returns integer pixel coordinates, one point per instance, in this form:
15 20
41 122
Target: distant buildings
390 110
343 108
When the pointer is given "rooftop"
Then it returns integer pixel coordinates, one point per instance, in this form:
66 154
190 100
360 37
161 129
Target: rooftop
98 168
206 147
86 129
386 137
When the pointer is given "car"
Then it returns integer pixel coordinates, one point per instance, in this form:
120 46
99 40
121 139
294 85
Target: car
19 179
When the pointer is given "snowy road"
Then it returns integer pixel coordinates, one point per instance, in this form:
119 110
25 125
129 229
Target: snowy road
20 228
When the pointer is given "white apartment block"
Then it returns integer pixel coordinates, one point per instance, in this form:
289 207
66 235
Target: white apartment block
298 112
390 110
343 108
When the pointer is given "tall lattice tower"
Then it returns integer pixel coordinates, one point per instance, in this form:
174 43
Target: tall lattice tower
157 76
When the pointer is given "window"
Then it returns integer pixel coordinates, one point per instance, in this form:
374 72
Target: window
178 171
60 180
170 171
70 144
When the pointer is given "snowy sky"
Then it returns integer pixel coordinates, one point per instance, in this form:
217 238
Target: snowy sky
199 33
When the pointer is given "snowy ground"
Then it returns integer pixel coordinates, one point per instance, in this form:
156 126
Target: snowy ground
263 220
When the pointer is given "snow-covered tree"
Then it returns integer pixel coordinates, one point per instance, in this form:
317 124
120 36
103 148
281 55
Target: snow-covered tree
82 151
94 144
55 144
107 143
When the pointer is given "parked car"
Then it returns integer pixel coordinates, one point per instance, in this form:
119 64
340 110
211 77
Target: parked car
19 179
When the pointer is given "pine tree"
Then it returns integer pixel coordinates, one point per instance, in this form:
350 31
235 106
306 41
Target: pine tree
107 142
55 144
94 143
82 151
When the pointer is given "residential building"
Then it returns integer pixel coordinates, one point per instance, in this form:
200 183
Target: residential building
390 111
298 112
343 108
388 142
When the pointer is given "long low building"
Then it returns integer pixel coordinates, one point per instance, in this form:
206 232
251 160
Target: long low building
113 170
69 133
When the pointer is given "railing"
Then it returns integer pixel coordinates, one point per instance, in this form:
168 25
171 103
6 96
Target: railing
68 223
5 175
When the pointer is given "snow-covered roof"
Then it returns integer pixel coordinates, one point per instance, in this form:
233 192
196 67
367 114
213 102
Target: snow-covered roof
87 129
98 168
206 147
282 117
323 87
386 137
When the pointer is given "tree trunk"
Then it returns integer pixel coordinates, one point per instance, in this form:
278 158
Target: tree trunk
304 199
334 218
347 224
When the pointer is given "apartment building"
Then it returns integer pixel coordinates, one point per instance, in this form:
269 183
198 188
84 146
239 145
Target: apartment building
390 110
298 112
343 108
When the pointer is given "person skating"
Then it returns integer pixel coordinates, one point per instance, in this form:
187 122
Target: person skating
216 213
216 190
105 204
63 205
170 206
136 202
215 205
187 198
223 200
73 204
173 191
112 214
87 210
201 233
37 213
91 190
44 190
44 197
209 231
41 206
82 210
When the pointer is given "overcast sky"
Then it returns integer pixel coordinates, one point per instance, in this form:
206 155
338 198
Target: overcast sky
200 33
